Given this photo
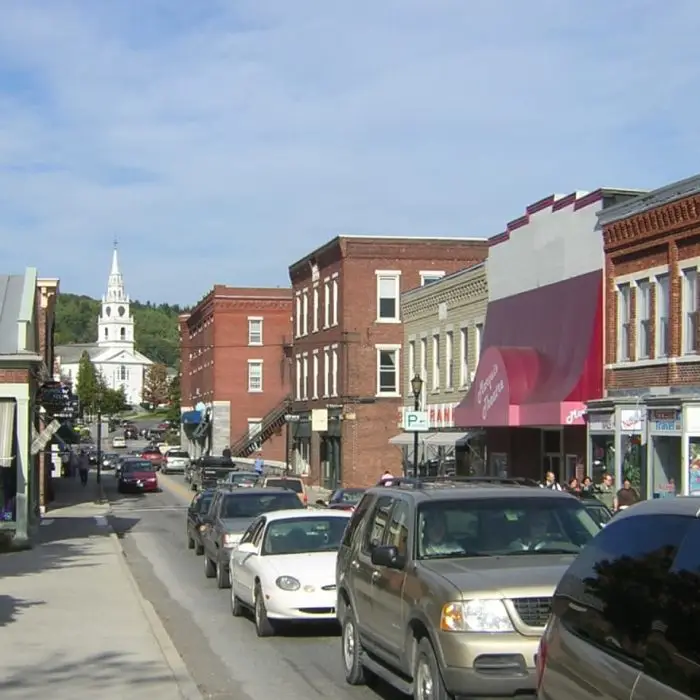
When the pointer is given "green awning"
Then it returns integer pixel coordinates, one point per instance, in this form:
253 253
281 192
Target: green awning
68 435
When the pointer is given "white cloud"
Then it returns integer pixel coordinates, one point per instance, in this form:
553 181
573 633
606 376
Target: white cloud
221 141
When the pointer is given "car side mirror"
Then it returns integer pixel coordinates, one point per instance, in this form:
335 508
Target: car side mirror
387 555
247 548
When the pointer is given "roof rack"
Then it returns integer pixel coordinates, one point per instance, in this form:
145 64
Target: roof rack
422 482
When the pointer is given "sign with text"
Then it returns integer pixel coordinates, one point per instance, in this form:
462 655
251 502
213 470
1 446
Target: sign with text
319 420
416 422
665 421
490 388
601 422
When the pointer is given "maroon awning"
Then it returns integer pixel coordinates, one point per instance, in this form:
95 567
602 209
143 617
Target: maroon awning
542 357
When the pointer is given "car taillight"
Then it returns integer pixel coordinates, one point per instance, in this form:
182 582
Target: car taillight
541 661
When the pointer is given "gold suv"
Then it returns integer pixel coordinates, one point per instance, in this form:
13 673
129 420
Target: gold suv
445 587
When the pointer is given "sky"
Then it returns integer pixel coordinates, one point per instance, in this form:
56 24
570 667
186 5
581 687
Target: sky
221 140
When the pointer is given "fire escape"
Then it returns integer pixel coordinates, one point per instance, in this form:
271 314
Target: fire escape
271 423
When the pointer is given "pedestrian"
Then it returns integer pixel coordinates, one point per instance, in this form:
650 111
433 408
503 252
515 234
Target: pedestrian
605 492
587 485
84 467
259 465
626 496
550 482
73 464
386 478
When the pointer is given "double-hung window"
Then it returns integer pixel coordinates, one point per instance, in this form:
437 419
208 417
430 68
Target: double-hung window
663 313
464 357
255 375
449 361
644 338
690 311
327 304
624 322
388 370
255 331
436 362
388 295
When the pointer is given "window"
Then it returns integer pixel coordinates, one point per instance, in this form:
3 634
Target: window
663 313
374 532
106 333
424 368
607 609
449 365
314 366
673 652
388 370
305 377
430 277
436 362
305 312
254 429
388 288
478 341
326 304
298 377
123 373
464 357
396 534
314 321
326 371
690 311
122 333
643 319
334 319
624 321
358 518
255 331
411 361
298 315
255 375
334 372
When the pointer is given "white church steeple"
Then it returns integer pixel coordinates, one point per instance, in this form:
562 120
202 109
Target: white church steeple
115 324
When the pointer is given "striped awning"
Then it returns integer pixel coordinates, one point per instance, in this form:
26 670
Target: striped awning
7 431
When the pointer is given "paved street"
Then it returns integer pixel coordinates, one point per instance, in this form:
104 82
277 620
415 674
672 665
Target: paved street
223 654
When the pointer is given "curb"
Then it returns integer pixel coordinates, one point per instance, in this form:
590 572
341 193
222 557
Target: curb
186 685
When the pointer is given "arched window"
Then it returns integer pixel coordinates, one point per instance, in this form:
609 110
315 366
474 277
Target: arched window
122 373
106 333
122 333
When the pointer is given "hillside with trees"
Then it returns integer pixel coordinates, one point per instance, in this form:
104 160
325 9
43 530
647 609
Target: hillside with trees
156 327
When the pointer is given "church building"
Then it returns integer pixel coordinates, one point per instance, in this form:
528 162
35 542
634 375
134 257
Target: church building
113 355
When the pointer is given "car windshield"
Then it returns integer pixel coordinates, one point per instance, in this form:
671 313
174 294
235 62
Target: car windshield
241 478
291 484
302 535
178 453
243 505
141 466
350 496
503 526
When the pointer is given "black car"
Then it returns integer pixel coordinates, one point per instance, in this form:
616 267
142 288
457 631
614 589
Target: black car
198 509
208 471
131 434
344 499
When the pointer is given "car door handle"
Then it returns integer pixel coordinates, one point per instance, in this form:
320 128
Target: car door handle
355 564
376 575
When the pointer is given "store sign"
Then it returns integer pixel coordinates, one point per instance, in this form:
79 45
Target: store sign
575 416
319 420
601 422
490 388
666 421
631 420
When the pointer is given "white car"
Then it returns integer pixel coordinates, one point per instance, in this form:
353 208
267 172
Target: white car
118 443
292 554
175 461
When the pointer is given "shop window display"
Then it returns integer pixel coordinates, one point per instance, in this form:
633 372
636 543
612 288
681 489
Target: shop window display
694 466
8 493
666 466
634 465
603 456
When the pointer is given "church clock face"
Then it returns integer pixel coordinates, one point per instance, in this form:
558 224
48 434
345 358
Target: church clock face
121 310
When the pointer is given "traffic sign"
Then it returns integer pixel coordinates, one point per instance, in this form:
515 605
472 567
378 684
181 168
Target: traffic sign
416 421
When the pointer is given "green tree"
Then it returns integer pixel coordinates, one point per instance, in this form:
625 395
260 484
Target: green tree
113 401
88 383
155 386
174 397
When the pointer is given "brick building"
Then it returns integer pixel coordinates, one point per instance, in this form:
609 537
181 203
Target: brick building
235 376
647 428
348 335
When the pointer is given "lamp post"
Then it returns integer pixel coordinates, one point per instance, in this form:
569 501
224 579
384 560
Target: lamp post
416 388
99 398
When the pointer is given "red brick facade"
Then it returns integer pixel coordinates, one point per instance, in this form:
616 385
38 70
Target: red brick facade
653 238
351 265
216 353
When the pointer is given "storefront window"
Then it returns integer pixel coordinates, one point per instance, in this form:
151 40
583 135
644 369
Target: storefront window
634 465
602 456
694 466
498 464
8 493
665 465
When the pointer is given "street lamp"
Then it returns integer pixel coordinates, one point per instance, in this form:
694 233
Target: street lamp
416 388
99 399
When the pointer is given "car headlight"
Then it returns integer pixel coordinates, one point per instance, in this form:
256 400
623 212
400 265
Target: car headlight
288 583
475 616
230 539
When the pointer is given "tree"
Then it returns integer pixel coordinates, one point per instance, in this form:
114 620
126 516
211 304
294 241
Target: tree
155 386
113 401
174 399
88 383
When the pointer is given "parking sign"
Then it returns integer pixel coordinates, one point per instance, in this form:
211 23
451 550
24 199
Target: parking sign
416 421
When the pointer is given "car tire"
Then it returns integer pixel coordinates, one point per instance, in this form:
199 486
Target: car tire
264 627
351 649
427 673
209 568
190 542
237 608
222 580
198 549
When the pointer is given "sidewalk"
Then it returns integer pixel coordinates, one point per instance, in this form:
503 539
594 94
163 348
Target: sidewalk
73 625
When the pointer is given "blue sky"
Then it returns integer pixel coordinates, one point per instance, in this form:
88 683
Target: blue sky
220 140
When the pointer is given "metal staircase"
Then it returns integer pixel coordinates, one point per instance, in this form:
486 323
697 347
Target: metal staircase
246 444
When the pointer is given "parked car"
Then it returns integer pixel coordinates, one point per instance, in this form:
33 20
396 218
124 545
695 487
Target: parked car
625 615
343 499
131 433
118 443
292 483
109 460
154 456
283 569
230 515
241 479
137 476
175 461
596 509
197 510
448 584
208 471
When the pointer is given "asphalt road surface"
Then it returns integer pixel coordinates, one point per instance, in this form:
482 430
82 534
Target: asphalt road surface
224 655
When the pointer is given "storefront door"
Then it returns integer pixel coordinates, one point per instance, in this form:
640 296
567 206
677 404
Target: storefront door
601 441
330 462
665 453
551 454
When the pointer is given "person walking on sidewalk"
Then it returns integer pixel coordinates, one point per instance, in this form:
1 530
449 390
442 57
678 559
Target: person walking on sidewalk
84 467
259 464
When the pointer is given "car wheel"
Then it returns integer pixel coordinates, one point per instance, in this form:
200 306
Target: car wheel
352 650
263 626
190 542
237 609
427 679
198 549
209 568
222 580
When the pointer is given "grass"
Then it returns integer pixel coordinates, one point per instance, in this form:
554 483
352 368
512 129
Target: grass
158 413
